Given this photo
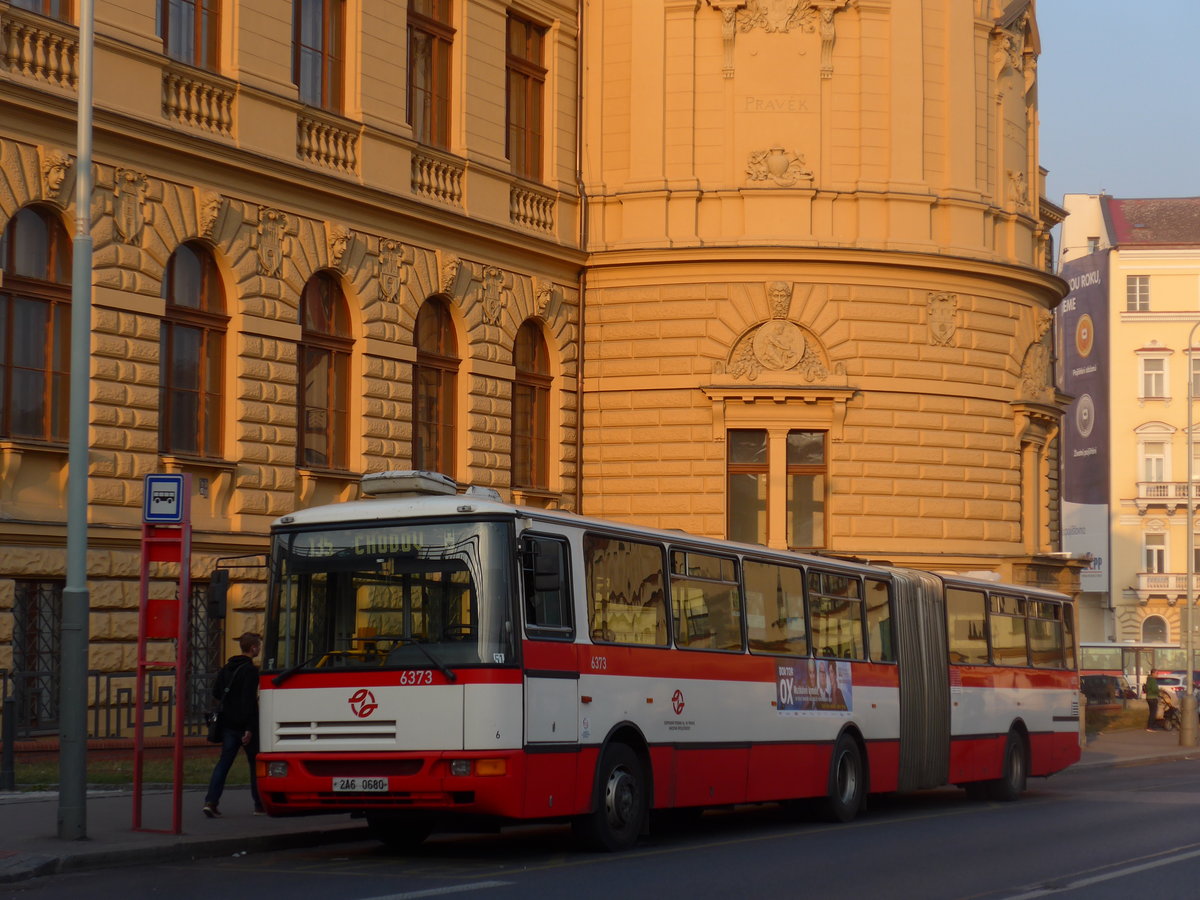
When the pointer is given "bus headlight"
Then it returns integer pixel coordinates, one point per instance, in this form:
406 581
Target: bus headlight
277 770
478 767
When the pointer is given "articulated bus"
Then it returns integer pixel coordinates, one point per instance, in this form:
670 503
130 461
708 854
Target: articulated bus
437 659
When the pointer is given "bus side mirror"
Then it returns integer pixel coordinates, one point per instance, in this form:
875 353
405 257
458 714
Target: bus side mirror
218 591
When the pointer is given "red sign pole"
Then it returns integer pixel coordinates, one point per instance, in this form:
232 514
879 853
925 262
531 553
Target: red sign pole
166 537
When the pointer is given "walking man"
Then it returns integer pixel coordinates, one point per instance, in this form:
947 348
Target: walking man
237 690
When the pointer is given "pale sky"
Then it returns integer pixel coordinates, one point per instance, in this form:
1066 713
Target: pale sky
1119 97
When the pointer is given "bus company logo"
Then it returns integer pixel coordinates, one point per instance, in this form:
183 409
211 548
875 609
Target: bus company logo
677 703
362 703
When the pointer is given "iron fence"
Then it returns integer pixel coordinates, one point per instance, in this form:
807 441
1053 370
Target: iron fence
111 697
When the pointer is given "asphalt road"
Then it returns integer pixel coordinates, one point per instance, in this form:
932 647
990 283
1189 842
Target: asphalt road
1099 834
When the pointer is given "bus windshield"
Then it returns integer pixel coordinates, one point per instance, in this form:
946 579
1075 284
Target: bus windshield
418 595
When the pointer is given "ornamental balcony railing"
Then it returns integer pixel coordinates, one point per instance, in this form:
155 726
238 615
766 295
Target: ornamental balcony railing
531 208
1169 494
1171 586
328 141
39 48
198 99
437 178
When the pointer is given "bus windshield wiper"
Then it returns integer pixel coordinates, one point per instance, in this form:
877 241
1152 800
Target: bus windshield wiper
288 673
442 667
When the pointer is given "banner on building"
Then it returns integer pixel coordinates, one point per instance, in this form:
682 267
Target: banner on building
1083 350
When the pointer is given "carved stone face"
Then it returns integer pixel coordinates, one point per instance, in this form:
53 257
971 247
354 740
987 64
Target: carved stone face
55 171
55 176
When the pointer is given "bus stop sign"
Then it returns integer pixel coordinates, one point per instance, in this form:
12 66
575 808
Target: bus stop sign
163 500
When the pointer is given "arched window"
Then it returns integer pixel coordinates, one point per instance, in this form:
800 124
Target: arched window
35 326
531 410
192 354
435 381
1154 630
324 396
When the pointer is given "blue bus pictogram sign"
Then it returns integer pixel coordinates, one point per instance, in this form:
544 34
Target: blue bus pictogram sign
163 500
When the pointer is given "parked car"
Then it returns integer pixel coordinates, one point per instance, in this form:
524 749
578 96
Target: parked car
1102 689
1174 681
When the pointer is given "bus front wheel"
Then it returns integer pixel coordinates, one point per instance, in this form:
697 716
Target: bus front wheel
847 780
620 807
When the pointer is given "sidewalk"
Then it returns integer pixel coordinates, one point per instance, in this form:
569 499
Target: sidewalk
29 845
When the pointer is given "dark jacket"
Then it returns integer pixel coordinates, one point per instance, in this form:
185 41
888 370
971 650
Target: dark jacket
239 708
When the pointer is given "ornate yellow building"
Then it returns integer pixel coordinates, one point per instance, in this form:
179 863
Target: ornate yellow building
774 269
817 307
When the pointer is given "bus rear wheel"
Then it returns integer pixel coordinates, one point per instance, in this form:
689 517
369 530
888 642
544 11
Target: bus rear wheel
847 781
620 807
399 832
1011 783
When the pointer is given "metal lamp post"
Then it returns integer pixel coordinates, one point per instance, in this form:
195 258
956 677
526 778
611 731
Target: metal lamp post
1187 706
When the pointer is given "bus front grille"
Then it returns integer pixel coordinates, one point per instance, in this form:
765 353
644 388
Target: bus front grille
351 731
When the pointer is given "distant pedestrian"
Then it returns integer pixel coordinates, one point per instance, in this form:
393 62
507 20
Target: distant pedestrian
236 689
1151 689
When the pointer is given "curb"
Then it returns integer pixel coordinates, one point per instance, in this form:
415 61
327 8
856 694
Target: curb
22 866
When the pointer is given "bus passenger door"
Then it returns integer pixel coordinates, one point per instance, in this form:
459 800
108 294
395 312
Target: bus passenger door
550 659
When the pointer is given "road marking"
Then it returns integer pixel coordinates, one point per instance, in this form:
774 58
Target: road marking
1107 876
442 891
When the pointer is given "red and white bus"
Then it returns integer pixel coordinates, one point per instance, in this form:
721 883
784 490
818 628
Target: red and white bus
435 657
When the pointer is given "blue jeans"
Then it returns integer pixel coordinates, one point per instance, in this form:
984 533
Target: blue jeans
231 741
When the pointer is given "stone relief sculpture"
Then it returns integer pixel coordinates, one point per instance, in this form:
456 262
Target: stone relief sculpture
776 15
55 164
778 344
208 210
129 199
493 294
942 318
784 167
394 262
1037 377
1018 190
338 238
543 294
272 227
451 265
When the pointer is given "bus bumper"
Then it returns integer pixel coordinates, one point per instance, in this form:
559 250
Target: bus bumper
296 784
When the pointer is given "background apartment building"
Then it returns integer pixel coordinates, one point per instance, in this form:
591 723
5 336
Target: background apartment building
771 270
1134 270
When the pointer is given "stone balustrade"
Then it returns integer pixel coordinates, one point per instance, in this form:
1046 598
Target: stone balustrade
39 48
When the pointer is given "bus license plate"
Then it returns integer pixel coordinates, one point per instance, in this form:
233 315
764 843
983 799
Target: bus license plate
360 785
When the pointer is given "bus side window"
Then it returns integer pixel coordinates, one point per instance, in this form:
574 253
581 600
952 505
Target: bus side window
625 582
1043 629
1006 624
775 621
548 608
966 626
835 608
1068 622
880 641
705 602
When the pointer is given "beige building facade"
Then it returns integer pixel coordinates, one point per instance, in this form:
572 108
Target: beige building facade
1145 254
817 307
771 270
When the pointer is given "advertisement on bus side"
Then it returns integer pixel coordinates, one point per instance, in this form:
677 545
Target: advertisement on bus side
813 687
